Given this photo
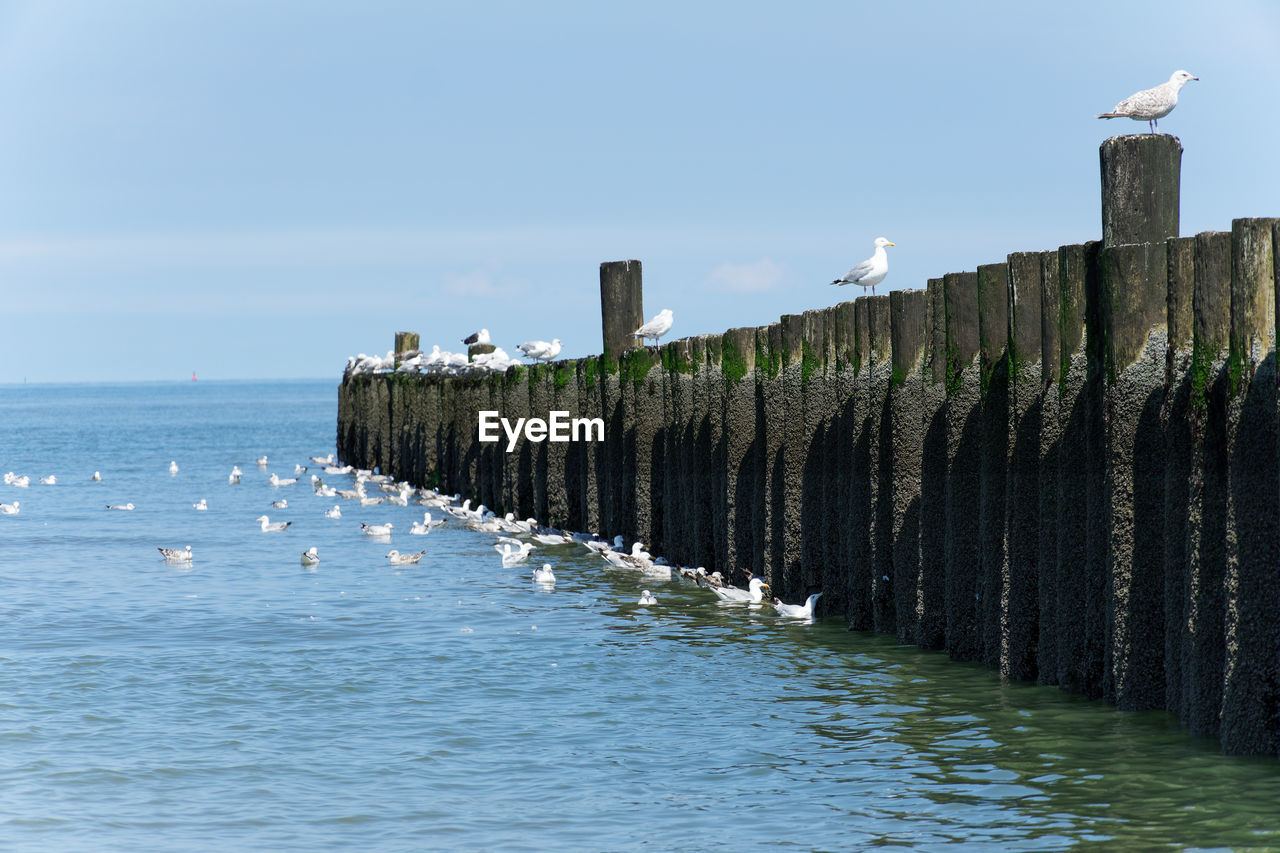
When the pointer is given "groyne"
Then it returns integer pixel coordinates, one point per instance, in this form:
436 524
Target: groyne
1065 465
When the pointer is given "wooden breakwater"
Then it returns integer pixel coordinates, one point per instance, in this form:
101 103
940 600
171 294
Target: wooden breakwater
1065 465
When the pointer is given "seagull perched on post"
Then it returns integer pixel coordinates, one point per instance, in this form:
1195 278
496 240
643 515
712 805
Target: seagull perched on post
480 337
657 327
540 350
1151 105
870 272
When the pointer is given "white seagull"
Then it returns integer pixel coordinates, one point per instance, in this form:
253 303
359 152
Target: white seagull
51 480
97 477
269 526
202 505
234 476
262 461
657 327
323 460
513 556
336 512
480 337
176 555
870 272
540 350
277 480
376 529
311 556
544 574
398 559
126 507
754 594
9 509
796 611
173 467
646 599
1151 105
283 503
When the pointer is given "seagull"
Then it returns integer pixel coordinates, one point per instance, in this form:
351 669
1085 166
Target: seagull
870 272
657 327
283 503
269 526
376 529
176 555
647 599
310 556
277 480
398 559
202 505
480 337
173 467
127 507
1151 105
540 350
323 460
336 512
20 482
97 477
754 593
544 574
553 538
9 509
51 480
299 470
262 461
513 556
796 611
234 476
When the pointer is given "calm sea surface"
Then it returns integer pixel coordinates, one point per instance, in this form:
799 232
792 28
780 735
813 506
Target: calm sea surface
248 702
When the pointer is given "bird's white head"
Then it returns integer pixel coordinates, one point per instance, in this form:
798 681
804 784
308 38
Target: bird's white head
881 242
1181 77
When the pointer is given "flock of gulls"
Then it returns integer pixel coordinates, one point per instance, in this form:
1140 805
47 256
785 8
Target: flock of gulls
515 540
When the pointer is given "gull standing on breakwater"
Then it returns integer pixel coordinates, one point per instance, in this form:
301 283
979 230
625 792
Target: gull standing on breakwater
870 272
657 327
268 526
1151 105
540 350
480 337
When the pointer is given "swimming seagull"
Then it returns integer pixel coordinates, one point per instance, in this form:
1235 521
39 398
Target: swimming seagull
311 556
9 509
51 480
796 611
647 599
544 574
283 503
398 559
262 461
336 512
234 476
657 327
513 556
754 593
480 337
176 555
269 526
376 529
97 477
127 507
173 467
870 272
1151 105
277 480
202 505
540 350
323 460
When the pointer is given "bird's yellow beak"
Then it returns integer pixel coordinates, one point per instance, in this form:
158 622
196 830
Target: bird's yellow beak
893 244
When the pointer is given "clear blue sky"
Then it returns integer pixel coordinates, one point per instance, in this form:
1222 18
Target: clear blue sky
250 189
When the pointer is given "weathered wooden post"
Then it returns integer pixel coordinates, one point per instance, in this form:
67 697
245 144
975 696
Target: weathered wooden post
1139 213
621 306
1140 181
405 342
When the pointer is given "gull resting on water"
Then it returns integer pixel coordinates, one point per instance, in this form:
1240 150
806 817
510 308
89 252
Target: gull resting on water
202 505
176 555
544 574
376 529
173 467
1151 105
126 507
657 327
269 526
646 599
336 512
311 556
398 559
796 611
9 509
754 594
870 272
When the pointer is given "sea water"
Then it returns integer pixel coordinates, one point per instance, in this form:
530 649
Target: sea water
245 701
